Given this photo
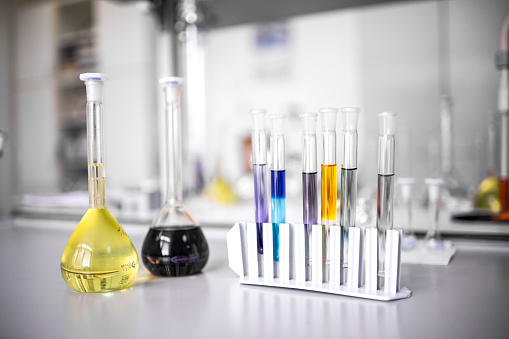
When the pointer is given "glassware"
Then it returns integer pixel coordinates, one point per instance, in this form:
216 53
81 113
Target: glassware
175 244
433 238
329 178
386 155
277 178
347 203
99 256
259 160
409 240
309 182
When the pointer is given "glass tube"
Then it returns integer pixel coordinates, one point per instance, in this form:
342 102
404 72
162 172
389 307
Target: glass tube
386 155
329 178
309 181
409 240
433 237
278 178
259 160
348 190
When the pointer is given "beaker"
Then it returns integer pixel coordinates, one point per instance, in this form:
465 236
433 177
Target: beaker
99 256
175 244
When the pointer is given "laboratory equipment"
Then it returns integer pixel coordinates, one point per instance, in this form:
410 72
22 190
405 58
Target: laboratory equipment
3 141
329 184
386 155
409 240
455 188
309 182
242 259
99 256
259 160
502 63
348 192
433 238
487 196
175 244
277 178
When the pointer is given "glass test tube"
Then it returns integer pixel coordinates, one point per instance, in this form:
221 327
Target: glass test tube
259 160
329 179
385 194
309 181
409 240
433 238
278 177
348 190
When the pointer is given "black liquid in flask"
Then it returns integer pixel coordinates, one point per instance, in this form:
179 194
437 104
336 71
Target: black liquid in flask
175 251
175 244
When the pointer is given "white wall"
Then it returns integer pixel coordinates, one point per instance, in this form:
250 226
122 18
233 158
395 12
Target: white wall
6 162
321 62
126 48
35 121
376 57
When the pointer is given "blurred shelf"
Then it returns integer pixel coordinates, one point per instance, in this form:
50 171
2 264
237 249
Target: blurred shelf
235 12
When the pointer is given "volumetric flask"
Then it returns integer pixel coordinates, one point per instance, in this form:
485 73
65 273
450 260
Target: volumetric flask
175 244
99 256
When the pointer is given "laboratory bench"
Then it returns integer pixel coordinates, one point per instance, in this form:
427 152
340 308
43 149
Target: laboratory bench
469 298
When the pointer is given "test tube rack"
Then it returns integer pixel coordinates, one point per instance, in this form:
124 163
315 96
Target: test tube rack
359 280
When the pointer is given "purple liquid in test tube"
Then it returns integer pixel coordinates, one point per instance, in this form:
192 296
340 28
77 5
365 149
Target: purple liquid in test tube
261 201
259 160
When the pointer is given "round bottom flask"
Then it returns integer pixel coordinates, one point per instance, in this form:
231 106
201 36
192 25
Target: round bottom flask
99 256
175 244
177 250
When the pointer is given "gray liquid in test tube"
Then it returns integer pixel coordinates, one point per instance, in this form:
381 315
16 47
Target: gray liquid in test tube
347 207
348 192
386 156
310 209
309 183
384 215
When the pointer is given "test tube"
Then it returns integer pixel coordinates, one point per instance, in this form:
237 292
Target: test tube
409 240
259 160
277 178
385 194
348 191
433 238
309 181
329 178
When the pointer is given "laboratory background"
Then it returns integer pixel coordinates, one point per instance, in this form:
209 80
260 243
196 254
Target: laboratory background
440 65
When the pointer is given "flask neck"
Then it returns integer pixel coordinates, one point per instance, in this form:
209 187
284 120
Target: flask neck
95 155
174 152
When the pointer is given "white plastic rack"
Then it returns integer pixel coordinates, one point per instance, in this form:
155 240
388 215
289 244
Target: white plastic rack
359 280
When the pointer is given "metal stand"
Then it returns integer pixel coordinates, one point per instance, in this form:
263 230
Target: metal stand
358 280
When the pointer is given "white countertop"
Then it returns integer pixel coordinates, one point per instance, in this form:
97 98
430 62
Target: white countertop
467 299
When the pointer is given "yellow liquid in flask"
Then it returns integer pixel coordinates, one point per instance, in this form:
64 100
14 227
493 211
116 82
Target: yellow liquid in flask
99 256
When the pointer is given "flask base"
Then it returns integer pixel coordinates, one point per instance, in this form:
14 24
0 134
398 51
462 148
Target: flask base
96 282
175 251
